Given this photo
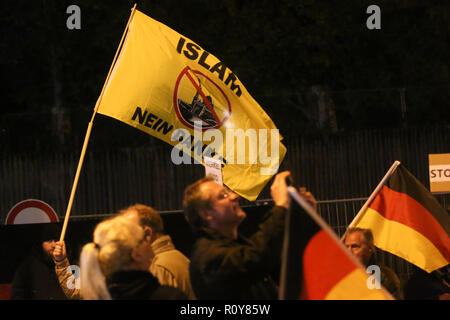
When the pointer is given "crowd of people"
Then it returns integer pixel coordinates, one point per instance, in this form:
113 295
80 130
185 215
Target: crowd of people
132 257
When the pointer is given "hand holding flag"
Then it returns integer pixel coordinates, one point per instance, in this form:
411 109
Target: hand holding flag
315 264
406 220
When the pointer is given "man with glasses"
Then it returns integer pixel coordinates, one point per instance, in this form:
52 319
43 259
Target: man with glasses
224 264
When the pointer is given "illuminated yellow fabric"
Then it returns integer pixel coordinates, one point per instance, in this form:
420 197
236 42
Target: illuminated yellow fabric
354 287
159 72
402 241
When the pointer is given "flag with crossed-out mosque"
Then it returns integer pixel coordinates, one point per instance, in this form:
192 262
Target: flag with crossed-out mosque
163 83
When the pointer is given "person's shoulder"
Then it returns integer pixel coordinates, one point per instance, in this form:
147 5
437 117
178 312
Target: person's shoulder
26 263
177 255
387 270
209 236
210 249
274 212
207 243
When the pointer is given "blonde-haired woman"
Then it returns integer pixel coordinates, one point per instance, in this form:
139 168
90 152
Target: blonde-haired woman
115 265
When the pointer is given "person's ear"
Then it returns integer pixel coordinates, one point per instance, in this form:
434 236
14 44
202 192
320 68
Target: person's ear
148 233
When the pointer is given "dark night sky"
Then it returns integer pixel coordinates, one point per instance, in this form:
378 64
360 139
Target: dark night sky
279 49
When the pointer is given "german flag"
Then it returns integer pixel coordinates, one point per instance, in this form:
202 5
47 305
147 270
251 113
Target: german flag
406 220
315 263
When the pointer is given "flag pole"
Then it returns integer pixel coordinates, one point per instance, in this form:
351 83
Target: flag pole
89 129
303 203
372 196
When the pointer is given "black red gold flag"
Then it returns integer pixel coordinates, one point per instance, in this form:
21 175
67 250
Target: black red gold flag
408 221
316 265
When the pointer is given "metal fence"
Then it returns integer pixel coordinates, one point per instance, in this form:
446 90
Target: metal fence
343 166
340 213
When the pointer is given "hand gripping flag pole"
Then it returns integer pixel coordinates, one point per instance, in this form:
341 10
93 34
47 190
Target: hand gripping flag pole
315 263
407 221
372 196
89 129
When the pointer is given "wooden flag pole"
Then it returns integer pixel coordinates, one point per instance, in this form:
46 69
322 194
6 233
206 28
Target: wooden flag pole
89 129
372 196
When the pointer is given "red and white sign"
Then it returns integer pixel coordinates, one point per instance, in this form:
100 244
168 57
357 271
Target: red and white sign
198 98
31 211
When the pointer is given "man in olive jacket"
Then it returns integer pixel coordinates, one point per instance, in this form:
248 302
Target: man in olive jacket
224 265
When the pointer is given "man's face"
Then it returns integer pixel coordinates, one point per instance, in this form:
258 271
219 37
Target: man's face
134 216
356 243
48 247
225 205
143 253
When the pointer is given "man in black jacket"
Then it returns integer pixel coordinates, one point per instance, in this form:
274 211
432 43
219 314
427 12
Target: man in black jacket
36 278
224 265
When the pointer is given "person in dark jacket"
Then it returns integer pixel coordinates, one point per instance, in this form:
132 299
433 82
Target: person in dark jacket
428 286
115 266
35 278
140 285
225 265
360 242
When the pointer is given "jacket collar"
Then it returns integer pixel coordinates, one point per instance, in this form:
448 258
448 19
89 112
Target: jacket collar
162 244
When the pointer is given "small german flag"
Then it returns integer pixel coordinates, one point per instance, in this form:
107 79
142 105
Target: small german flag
315 263
406 220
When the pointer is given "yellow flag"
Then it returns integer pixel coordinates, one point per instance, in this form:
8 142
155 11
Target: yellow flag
167 86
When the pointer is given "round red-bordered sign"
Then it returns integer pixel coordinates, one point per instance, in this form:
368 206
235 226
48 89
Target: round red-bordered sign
208 103
31 211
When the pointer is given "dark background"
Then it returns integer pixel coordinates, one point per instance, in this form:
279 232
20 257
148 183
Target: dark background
287 53
313 66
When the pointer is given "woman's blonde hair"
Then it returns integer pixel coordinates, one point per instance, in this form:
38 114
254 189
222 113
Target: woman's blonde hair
114 240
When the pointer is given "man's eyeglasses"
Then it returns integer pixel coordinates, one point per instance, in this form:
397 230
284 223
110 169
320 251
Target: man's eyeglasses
224 194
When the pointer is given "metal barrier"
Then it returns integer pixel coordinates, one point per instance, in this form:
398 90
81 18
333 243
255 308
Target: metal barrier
339 213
